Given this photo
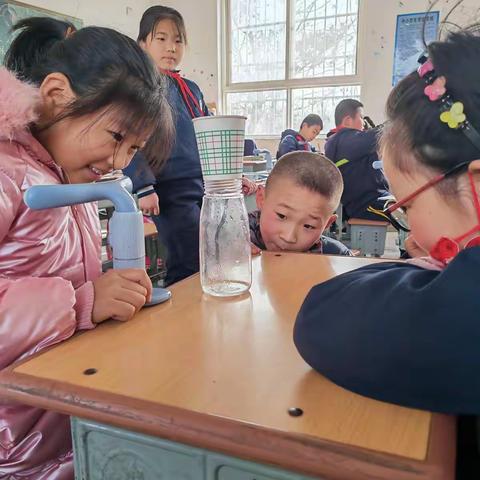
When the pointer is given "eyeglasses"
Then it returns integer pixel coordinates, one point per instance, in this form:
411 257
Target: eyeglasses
397 215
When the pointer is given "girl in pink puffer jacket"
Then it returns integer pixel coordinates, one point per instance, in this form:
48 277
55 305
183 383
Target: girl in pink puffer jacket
92 99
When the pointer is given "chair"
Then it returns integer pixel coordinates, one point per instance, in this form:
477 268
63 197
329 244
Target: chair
368 236
249 147
153 254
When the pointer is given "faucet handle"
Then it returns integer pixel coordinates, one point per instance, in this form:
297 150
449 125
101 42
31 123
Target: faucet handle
39 197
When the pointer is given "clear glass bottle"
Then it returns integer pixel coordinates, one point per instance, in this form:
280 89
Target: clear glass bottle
225 255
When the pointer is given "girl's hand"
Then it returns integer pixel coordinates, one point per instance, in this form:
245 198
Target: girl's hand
119 294
150 204
254 249
413 248
248 187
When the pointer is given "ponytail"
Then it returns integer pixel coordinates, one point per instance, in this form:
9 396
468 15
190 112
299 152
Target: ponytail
37 35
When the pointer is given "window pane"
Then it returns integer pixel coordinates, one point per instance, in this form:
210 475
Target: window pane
324 38
321 100
266 111
257 40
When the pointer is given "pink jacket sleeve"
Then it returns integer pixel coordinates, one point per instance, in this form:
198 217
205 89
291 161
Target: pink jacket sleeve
35 312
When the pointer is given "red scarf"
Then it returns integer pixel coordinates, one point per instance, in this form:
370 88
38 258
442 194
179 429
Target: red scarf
335 130
299 138
188 96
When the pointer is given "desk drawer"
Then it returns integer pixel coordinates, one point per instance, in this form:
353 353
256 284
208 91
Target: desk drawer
220 467
232 473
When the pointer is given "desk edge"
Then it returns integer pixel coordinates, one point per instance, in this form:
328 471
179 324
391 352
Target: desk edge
291 451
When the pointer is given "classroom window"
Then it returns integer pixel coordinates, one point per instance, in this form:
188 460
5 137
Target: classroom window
255 23
288 58
320 99
265 111
324 38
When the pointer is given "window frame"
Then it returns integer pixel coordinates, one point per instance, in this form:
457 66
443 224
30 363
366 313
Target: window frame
289 83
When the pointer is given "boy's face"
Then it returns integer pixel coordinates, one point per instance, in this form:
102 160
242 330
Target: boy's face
293 217
311 132
356 122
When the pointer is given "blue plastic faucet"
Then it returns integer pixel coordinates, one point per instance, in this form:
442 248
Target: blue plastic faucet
126 234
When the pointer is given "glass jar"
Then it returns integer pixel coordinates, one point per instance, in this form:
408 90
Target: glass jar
225 255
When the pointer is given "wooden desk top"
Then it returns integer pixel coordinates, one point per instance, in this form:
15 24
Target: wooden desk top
222 373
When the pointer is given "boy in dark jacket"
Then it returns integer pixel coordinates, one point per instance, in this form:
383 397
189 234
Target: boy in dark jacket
354 152
292 141
297 205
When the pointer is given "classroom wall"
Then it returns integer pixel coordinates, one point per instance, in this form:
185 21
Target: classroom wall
377 40
122 15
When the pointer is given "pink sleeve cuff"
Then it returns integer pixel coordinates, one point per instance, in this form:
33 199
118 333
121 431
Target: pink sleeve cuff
84 306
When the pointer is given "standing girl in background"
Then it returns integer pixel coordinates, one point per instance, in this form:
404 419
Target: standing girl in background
179 187
92 100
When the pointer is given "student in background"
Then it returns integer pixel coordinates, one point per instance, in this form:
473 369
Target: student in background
354 151
409 332
174 197
80 105
292 141
296 206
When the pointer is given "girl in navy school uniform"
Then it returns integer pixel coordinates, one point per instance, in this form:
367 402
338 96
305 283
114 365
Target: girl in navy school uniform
174 197
413 336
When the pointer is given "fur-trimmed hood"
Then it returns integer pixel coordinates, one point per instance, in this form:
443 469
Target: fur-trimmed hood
18 105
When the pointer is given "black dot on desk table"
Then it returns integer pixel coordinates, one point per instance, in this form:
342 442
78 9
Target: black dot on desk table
278 254
295 412
90 371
